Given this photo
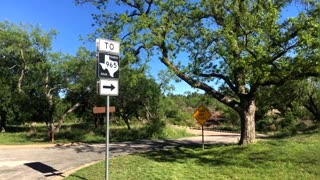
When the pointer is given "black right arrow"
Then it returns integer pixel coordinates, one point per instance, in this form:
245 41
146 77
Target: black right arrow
109 87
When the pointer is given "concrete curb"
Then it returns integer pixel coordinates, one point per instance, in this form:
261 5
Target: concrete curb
71 171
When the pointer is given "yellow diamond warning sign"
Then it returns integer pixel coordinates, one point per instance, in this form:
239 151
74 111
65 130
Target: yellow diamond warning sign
202 114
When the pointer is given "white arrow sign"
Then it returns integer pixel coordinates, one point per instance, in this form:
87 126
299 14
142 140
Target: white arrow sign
108 46
109 87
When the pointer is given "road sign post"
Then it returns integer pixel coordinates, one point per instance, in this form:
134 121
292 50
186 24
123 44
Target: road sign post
202 114
107 141
107 71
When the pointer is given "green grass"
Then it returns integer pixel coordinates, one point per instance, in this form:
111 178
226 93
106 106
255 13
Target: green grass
86 133
289 158
23 135
18 138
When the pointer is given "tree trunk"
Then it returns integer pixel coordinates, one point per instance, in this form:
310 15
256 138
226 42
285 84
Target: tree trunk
22 73
51 132
96 120
3 119
247 117
99 120
51 129
50 120
312 107
127 121
73 108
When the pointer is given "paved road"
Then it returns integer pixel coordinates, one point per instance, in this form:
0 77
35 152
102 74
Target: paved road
56 161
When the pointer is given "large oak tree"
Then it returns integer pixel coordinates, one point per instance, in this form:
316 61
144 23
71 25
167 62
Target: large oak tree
239 44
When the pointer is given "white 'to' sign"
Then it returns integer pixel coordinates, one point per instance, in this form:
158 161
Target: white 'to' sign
109 46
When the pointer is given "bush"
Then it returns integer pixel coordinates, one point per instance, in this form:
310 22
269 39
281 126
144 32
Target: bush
155 128
181 118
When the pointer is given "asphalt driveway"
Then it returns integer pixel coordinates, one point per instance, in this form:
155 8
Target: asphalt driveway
57 161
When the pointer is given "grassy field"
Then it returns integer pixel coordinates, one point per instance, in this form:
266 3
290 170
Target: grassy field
85 133
23 135
296 157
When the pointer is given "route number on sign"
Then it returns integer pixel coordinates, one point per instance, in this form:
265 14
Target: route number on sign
108 66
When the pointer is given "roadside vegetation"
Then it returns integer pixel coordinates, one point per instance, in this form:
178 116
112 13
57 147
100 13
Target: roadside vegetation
86 133
83 126
286 158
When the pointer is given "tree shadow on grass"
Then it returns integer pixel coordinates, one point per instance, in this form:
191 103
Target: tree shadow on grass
249 156
212 157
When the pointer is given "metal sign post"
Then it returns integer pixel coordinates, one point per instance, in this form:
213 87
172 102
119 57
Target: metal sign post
202 137
107 71
107 140
202 114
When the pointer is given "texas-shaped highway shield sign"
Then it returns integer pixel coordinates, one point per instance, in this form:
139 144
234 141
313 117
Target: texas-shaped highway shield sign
108 66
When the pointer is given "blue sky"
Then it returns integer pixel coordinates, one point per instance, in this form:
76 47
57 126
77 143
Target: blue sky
69 20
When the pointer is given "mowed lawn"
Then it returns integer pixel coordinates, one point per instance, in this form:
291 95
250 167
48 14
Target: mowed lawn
289 158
